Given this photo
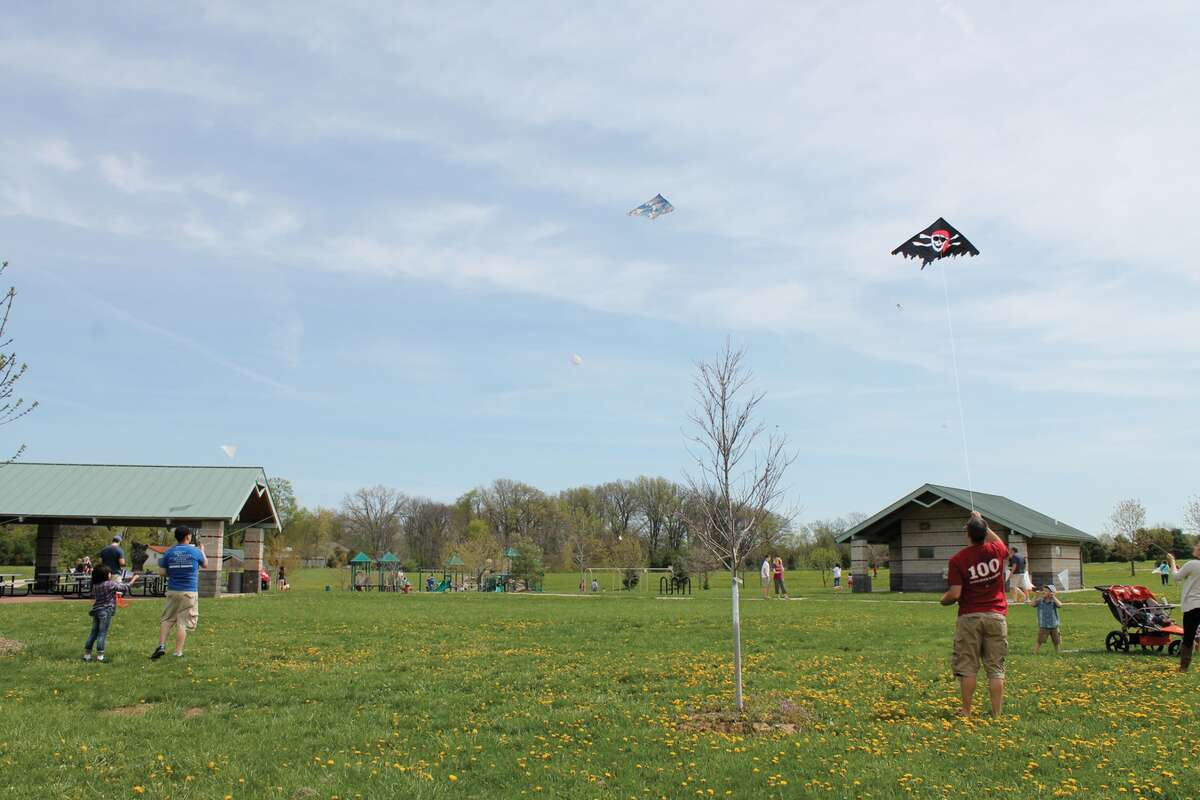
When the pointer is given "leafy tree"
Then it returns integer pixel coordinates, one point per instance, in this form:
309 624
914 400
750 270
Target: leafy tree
527 563
312 533
823 559
1095 552
11 370
1124 549
18 544
479 549
284 498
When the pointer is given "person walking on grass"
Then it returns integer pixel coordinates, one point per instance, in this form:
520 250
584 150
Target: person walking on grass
777 573
1019 572
1189 602
1164 571
837 576
976 577
1047 605
765 574
105 589
181 564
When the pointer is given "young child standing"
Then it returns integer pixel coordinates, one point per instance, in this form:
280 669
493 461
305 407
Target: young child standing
1047 605
104 606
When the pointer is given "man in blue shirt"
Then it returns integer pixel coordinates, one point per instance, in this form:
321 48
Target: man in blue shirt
181 565
113 557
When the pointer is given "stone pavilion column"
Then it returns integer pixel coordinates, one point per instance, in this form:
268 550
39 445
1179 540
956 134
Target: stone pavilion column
254 561
212 535
46 559
858 564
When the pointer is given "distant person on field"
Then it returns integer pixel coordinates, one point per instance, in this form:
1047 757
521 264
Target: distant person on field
181 564
777 574
595 585
764 573
281 582
113 557
1189 602
1047 605
105 589
429 584
78 568
1021 584
837 576
976 577
1164 572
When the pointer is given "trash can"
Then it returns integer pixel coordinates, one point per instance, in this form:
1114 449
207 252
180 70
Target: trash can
235 583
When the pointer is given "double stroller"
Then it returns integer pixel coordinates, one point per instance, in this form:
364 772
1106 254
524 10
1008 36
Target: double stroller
1145 621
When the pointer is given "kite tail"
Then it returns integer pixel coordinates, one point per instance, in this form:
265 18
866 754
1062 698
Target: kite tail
962 420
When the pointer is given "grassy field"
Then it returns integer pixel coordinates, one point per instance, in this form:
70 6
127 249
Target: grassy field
339 694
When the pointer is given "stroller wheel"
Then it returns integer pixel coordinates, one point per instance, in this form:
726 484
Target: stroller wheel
1116 641
1174 648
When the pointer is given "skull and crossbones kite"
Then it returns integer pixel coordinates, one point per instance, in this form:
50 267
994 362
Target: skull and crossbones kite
939 240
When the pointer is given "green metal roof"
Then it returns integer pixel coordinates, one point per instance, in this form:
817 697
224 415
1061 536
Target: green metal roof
1011 514
511 552
389 557
455 561
132 492
362 558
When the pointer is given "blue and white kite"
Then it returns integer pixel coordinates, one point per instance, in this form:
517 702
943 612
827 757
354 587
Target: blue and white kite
653 208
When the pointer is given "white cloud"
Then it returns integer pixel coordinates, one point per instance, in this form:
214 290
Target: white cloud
56 153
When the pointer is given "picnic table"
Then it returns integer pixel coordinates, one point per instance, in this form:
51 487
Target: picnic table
64 583
149 585
11 577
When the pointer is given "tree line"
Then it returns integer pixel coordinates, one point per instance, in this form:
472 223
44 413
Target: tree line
624 524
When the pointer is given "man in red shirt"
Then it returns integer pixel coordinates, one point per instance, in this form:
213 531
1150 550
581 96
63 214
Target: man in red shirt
976 578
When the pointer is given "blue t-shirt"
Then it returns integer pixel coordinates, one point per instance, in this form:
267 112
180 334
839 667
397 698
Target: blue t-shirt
182 563
1047 613
111 557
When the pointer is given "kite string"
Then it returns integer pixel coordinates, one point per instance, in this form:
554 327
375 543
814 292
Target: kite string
962 420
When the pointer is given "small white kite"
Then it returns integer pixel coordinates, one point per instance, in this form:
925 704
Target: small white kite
576 359
1062 579
229 450
653 208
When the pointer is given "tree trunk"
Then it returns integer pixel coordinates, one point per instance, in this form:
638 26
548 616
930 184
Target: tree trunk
737 648
1132 572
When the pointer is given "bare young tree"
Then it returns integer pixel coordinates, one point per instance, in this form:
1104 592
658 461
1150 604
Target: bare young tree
11 370
375 516
1191 514
737 479
1128 517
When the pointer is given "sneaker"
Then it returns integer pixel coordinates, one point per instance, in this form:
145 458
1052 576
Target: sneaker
159 652
179 655
87 656
100 656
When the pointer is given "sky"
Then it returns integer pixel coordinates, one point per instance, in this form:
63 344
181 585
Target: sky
362 241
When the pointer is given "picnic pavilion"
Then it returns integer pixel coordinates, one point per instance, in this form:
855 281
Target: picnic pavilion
214 501
925 528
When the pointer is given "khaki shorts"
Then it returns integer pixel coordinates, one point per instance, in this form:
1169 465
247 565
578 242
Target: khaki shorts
980 637
182 608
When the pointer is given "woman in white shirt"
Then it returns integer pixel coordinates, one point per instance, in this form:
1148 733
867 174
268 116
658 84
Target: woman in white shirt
1189 603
